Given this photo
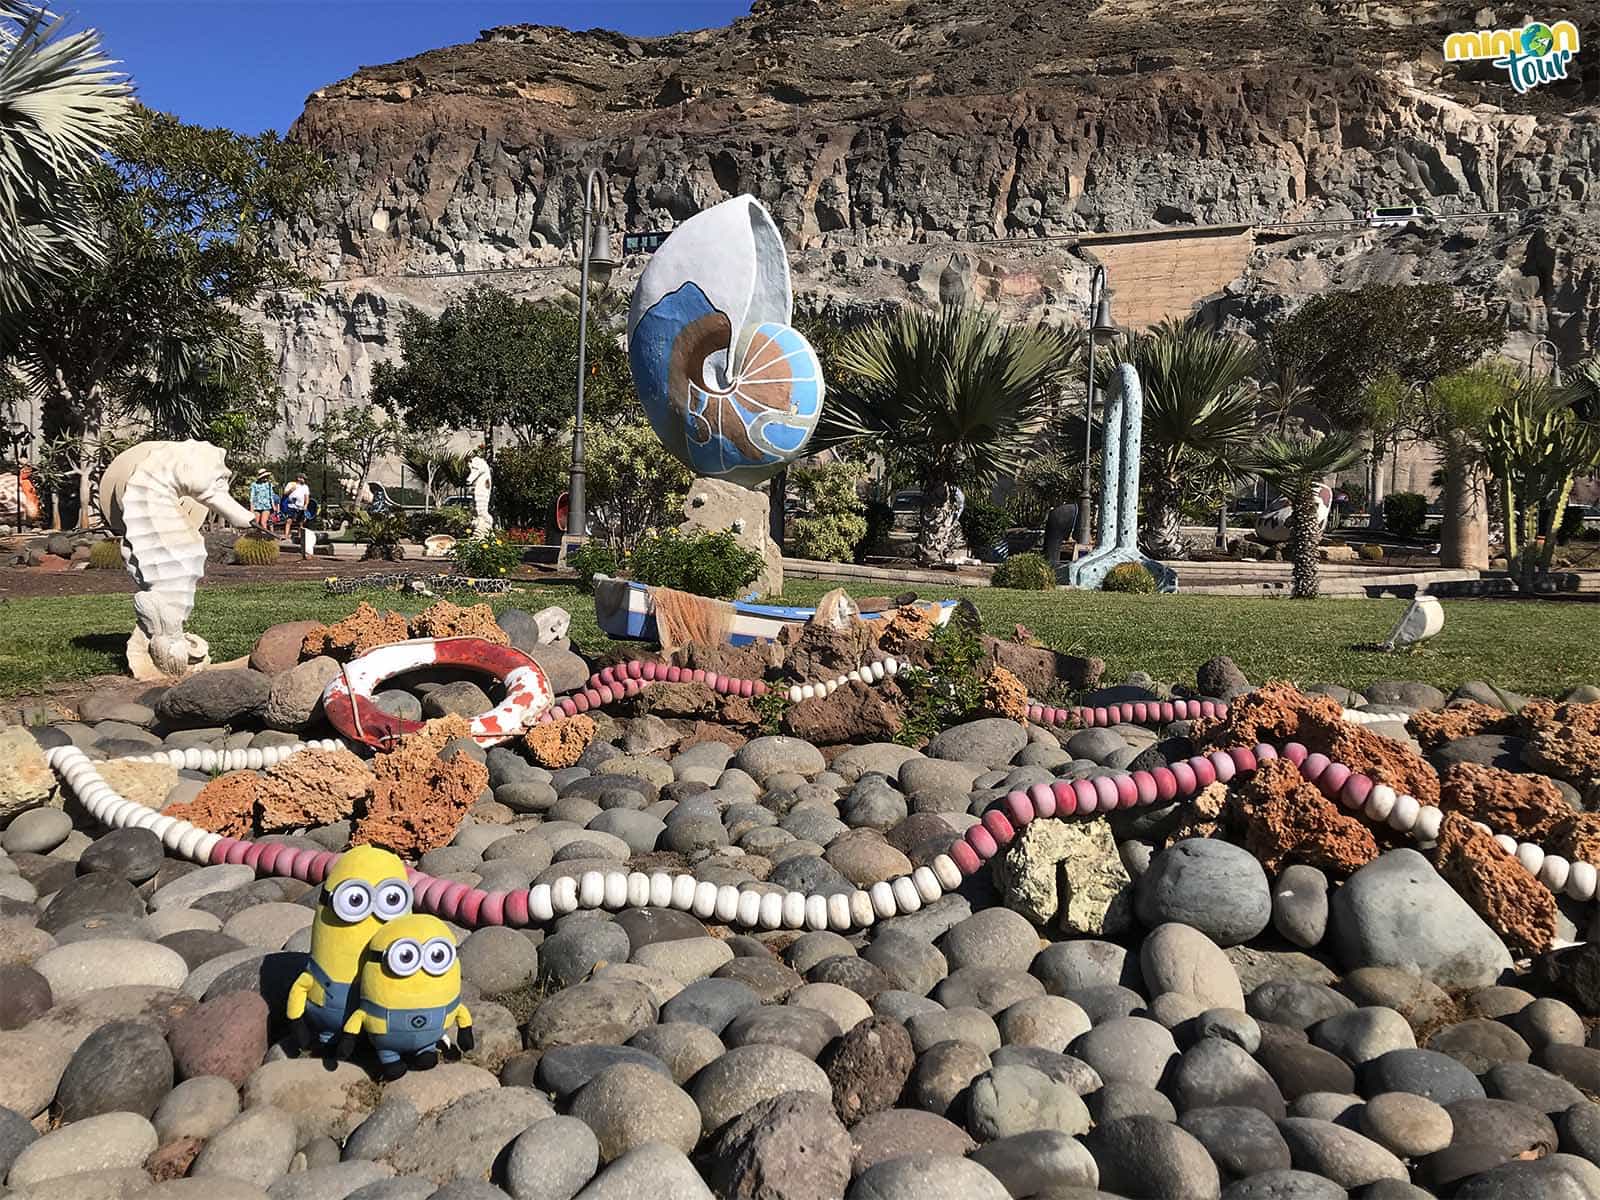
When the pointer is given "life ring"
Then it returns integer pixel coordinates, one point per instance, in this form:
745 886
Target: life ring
348 701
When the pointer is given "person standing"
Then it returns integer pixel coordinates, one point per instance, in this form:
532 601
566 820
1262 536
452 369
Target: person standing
262 494
296 497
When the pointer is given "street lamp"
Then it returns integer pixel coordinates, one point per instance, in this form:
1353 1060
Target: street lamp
1554 353
596 252
1100 332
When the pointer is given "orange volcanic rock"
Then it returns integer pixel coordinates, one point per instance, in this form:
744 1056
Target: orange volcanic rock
418 799
1577 838
226 805
1528 807
314 787
1515 904
444 619
907 626
1280 712
1564 740
1435 727
363 630
1004 695
1285 819
559 743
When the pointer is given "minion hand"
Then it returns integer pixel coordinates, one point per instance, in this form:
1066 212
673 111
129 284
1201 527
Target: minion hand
346 1046
464 1039
302 1033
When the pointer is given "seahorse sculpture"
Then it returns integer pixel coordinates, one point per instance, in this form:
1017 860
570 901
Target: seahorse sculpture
730 387
481 480
155 496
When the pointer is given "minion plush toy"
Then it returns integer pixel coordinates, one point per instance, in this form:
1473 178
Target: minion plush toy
365 889
410 995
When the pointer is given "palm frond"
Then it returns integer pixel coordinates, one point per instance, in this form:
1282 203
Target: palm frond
62 105
1197 395
1294 462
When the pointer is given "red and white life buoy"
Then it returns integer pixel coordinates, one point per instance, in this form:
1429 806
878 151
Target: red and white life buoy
350 707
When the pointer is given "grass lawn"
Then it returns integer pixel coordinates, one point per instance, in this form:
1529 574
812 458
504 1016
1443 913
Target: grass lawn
1527 646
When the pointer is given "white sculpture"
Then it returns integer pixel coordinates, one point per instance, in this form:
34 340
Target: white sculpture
1421 621
1274 526
480 481
553 624
155 497
439 545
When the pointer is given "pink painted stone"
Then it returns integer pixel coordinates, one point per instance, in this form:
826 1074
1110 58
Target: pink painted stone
1145 784
999 827
674 674
647 670
516 907
759 687
582 701
1035 714
1264 752
493 909
1208 708
1333 779
699 675
635 668
471 905
1168 711
1088 798
1066 798
270 853
1183 773
252 854
1102 717
1127 793
1355 791
320 866
1244 759
219 852
606 675
1221 764
569 706
1294 752
1204 773
1141 711
429 897
982 841
965 857
1019 807
747 688
236 853
1166 784
1105 794
1314 766
1043 798
607 695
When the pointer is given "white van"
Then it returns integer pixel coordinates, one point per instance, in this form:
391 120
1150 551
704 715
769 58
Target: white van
1404 214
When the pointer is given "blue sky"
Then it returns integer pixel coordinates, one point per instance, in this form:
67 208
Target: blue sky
250 64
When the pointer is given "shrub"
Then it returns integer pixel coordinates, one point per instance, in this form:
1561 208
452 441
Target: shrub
486 557
255 550
527 480
880 522
382 533
1027 572
1043 483
1405 513
452 520
707 564
835 520
591 559
984 526
106 555
1129 577
1371 552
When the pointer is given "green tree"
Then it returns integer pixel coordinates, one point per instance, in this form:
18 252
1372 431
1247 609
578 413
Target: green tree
1199 411
427 453
61 107
834 519
490 361
353 438
154 332
1454 413
950 399
634 485
1297 464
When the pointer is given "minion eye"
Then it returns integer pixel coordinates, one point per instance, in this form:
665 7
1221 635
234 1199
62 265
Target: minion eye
352 900
393 899
403 957
438 955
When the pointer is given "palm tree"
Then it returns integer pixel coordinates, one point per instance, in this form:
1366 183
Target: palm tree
1296 465
949 398
61 107
1199 409
1281 394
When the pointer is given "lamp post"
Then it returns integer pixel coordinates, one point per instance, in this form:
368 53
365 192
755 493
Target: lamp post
1101 330
1554 353
596 257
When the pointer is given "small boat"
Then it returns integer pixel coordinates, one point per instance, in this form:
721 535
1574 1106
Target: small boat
626 610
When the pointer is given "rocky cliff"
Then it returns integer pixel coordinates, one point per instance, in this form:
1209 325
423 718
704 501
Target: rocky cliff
918 148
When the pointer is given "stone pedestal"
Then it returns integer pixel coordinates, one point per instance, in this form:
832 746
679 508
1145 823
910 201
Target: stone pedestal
716 505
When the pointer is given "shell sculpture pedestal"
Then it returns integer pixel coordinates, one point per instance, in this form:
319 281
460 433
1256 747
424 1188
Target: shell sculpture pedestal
155 496
1119 492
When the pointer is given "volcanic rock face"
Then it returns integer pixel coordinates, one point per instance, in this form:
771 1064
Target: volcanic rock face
921 149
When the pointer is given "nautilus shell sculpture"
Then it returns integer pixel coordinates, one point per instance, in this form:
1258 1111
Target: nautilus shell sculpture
1276 525
155 496
730 387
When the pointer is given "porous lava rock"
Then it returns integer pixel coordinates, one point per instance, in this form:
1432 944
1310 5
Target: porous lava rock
868 1067
1286 819
1279 712
816 650
444 619
1435 727
1515 904
1004 695
1527 807
1040 669
907 626
559 743
362 631
418 799
314 787
226 805
1564 740
857 712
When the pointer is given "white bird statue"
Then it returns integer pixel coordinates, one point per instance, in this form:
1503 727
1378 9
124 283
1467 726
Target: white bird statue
1421 621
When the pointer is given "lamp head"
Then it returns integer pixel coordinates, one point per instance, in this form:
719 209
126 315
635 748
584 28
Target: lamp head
1104 329
601 261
